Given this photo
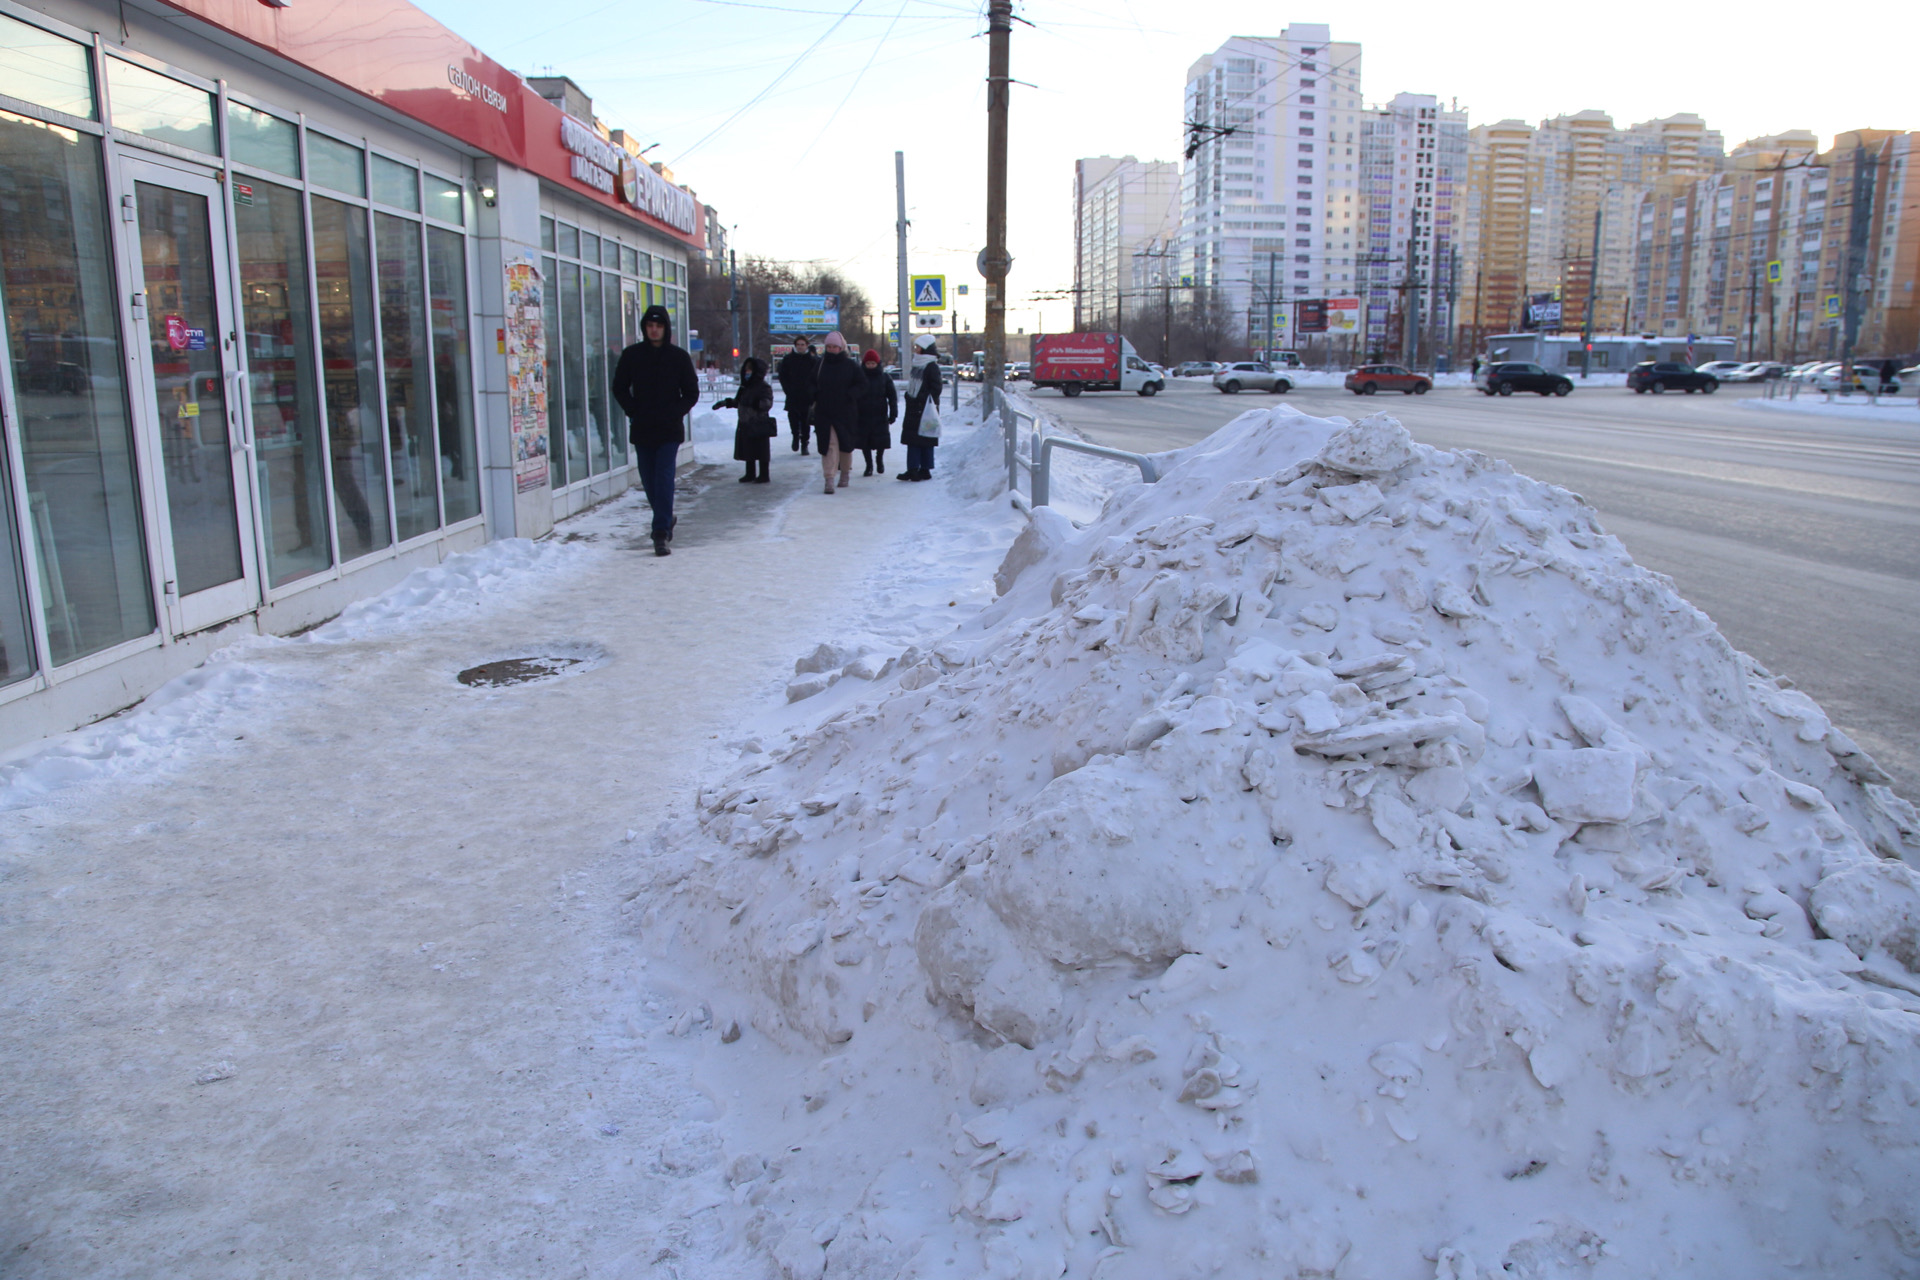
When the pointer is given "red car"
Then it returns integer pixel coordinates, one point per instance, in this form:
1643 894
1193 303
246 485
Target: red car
1369 378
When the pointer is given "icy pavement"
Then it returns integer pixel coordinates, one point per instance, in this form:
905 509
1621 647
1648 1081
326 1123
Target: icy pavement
313 965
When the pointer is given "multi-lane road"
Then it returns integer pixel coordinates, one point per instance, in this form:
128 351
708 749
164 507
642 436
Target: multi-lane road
1798 534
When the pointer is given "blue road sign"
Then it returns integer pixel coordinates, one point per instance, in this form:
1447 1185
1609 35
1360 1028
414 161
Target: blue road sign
929 293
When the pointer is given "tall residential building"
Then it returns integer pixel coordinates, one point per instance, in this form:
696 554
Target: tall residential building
1267 201
1413 170
1837 224
1123 211
1535 193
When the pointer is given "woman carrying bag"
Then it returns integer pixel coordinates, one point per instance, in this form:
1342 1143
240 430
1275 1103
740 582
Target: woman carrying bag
920 425
755 427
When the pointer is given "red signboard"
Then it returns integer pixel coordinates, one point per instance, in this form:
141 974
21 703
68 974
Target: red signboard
1076 357
397 55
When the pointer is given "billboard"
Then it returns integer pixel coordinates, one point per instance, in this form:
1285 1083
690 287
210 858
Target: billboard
803 312
1343 315
1310 315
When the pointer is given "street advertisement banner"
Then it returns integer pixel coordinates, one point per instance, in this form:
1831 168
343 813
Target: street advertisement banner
1310 315
526 344
1343 315
803 312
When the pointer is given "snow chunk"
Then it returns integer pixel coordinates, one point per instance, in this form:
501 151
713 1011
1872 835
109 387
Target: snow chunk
1587 784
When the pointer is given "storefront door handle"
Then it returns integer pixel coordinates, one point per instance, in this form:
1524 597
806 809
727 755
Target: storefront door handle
237 411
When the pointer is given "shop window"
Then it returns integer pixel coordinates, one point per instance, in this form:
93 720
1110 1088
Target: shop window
453 373
16 636
337 166
263 141
289 446
446 201
408 369
573 358
396 184
643 264
546 236
556 379
70 395
158 107
629 261
569 241
342 268
596 353
39 67
610 313
590 248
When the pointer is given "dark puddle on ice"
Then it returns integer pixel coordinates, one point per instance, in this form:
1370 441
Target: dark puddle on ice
529 670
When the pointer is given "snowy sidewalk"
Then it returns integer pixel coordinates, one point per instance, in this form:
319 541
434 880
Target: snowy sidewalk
319 969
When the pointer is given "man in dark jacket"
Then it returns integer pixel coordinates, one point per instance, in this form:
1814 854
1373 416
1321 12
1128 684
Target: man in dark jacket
798 371
656 385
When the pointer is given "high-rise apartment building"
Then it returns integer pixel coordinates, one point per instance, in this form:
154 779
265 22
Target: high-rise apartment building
1782 245
1534 195
1124 211
1413 170
1267 201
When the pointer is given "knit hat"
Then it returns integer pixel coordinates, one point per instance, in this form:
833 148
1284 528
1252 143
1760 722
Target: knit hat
924 342
833 340
871 355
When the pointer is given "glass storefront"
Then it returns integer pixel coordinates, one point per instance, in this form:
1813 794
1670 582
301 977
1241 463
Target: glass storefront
348 375
71 415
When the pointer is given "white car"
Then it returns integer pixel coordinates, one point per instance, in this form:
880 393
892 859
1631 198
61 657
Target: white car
1719 369
1248 375
1748 372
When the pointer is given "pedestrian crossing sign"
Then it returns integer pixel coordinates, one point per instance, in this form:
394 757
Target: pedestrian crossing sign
1833 306
1775 271
929 293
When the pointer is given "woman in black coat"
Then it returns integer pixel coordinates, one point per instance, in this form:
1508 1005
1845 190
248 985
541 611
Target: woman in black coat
836 410
755 429
879 406
923 387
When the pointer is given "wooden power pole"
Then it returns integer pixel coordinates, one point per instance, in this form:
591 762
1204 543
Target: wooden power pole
994 260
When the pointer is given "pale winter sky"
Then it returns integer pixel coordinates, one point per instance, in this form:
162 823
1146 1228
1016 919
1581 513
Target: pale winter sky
785 114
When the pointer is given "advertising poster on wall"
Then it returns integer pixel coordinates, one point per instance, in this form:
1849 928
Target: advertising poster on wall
1343 315
526 343
1310 315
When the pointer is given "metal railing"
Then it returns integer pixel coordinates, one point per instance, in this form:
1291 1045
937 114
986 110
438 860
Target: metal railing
1039 465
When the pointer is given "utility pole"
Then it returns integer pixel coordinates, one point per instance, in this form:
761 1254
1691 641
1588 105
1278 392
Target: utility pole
900 196
1593 293
1753 302
1854 263
994 260
733 295
1266 338
1413 299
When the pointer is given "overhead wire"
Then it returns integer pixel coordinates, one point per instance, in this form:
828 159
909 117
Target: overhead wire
772 84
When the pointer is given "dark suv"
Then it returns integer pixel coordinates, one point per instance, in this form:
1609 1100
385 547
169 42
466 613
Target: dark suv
1504 379
1659 375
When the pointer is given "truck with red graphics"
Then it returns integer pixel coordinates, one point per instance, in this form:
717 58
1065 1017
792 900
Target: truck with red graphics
1076 362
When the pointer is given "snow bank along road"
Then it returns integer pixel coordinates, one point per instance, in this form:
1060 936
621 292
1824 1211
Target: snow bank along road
1340 860
1798 535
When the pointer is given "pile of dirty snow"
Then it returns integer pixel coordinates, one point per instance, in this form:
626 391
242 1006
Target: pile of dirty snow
1338 860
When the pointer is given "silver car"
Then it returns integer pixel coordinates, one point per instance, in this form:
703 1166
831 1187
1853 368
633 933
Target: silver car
1246 375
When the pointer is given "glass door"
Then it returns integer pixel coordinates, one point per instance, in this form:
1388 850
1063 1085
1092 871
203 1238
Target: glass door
198 426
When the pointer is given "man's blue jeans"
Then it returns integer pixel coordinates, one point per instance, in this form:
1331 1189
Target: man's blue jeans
656 463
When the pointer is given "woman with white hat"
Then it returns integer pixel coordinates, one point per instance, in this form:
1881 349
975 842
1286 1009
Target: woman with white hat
923 384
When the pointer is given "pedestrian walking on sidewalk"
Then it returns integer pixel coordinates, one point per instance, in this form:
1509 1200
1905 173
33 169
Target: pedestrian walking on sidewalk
799 372
923 389
879 406
754 427
656 385
836 410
